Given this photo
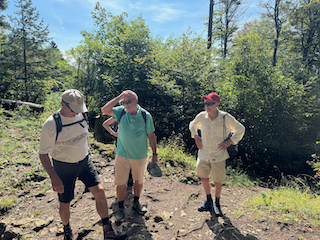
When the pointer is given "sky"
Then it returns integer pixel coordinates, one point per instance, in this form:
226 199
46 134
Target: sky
67 18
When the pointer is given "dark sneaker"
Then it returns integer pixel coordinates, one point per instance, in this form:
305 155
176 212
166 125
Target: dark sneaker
110 233
68 235
119 216
139 208
205 206
217 210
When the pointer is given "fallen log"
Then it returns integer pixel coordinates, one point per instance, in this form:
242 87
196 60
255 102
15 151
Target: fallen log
11 105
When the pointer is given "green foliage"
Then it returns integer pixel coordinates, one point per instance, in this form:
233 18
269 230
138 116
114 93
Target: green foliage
237 177
278 113
287 203
5 81
3 6
30 65
174 162
183 73
113 58
7 202
304 19
36 212
225 22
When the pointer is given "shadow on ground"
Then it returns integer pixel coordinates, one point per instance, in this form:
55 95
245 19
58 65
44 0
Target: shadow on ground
226 230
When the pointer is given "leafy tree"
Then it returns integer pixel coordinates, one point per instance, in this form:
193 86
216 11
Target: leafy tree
5 73
115 57
279 114
183 71
277 14
304 19
226 19
3 6
27 40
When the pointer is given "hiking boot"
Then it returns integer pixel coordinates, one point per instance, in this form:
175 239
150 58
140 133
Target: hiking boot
206 206
217 210
110 233
119 216
68 235
139 208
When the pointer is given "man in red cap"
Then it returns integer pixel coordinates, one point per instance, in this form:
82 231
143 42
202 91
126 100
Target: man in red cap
212 145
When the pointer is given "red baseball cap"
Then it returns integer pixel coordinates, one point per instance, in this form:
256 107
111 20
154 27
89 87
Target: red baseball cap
212 96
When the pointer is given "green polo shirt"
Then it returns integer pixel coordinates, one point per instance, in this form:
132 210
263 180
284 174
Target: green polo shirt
132 139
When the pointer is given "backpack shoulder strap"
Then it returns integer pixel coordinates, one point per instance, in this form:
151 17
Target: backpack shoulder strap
57 119
224 127
122 113
144 115
85 116
143 112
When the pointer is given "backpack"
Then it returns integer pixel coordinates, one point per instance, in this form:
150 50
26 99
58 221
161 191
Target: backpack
232 149
59 126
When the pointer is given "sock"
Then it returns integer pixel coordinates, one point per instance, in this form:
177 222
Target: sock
217 201
105 221
209 198
67 227
136 199
121 204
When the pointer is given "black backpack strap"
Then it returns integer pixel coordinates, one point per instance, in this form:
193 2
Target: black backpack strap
144 115
224 128
59 126
143 112
122 113
57 119
85 116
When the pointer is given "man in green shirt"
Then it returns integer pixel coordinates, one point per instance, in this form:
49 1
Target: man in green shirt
135 128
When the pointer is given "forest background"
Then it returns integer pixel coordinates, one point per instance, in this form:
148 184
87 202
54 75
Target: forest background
266 72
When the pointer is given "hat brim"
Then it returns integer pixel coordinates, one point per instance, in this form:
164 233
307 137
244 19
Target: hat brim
78 108
205 97
154 170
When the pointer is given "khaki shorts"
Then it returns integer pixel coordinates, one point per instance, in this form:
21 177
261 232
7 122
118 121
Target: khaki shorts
218 170
122 168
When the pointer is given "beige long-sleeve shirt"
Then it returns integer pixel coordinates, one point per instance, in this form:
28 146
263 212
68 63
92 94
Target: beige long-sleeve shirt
212 133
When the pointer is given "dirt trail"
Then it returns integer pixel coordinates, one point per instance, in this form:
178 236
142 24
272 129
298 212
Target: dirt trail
172 213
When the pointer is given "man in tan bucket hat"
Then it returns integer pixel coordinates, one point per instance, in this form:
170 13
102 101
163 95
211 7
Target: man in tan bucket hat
65 137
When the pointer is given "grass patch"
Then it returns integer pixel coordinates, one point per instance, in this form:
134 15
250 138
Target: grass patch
287 204
36 212
7 202
174 162
239 212
238 178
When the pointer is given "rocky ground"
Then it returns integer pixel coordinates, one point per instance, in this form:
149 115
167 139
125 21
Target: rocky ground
172 212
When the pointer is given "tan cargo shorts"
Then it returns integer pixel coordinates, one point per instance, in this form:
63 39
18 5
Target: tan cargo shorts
122 168
217 169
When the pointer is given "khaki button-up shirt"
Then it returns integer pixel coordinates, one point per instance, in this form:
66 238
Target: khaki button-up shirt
212 134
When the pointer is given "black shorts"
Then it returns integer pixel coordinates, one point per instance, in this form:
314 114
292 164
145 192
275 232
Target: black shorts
69 172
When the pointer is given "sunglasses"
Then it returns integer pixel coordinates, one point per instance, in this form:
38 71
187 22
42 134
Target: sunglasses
209 103
68 106
125 102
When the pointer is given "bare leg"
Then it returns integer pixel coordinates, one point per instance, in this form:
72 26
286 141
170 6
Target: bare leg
121 192
217 189
137 188
101 201
64 211
206 185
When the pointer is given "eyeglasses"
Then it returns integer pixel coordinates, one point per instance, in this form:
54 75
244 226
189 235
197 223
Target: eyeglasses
68 106
209 103
125 102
